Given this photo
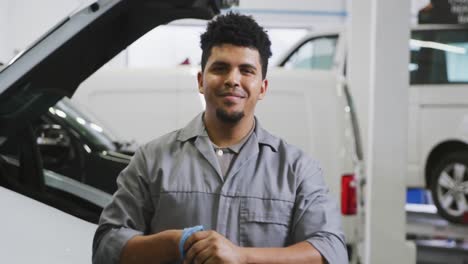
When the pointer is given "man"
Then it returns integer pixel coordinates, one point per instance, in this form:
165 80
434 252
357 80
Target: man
260 199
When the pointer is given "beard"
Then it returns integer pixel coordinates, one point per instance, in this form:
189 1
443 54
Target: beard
229 117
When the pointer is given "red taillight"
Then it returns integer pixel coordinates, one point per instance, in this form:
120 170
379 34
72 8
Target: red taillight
348 195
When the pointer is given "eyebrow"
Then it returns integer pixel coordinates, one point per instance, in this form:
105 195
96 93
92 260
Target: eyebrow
244 65
248 65
219 63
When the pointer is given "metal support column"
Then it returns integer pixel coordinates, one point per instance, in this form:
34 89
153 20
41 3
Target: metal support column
378 77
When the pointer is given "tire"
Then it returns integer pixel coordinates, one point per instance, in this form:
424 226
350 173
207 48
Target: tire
449 186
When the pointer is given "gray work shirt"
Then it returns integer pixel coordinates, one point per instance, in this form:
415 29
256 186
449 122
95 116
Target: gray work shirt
273 196
228 154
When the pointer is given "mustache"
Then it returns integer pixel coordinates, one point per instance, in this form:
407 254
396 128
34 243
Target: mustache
238 92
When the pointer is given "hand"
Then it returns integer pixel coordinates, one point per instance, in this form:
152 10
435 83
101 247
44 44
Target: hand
209 247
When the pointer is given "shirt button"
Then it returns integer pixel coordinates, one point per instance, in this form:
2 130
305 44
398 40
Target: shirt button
219 152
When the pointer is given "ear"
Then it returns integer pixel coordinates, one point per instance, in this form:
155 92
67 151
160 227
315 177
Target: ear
200 82
263 89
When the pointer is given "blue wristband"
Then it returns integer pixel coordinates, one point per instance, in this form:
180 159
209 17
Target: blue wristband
185 235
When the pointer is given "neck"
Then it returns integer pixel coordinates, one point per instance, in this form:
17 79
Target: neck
225 134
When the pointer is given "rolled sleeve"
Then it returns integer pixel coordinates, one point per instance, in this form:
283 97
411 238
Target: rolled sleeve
127 215
317 218
112 243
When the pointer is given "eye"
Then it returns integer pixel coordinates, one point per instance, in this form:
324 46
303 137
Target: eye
218 68
248 71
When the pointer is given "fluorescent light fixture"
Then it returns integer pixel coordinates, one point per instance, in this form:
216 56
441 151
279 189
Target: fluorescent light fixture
60 113
96 127
413 67
86 147
436 45
81 121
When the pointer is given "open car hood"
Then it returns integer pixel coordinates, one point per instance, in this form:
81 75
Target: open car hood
59 61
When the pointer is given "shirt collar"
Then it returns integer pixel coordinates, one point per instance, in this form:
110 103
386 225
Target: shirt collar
237 147
196 128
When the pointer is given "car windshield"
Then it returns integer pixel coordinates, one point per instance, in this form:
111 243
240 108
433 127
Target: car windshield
83 124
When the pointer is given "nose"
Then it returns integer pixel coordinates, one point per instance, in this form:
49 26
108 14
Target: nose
232 78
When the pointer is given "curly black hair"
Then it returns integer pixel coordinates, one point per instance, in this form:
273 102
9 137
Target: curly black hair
239 30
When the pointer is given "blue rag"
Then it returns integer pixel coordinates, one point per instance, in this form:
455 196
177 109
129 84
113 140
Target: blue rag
187 232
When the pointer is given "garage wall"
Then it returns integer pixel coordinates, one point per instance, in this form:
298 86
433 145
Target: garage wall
26 20
29 19
168 46
23 21
297 13
4 33
286 22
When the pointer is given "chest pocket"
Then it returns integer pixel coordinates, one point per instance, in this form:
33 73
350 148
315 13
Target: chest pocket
264 223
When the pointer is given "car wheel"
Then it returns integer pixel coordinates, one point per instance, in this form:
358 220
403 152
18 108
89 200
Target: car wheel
449 186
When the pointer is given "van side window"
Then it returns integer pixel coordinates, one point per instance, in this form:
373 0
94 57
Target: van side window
439 56
317 53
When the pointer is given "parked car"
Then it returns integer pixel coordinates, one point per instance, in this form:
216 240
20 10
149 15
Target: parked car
438 106
32 228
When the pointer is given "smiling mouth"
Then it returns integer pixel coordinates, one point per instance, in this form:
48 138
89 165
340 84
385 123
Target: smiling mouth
230 99
233 95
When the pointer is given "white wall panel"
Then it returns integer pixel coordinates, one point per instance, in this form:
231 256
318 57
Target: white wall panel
297 13
28 19
23 21
5 50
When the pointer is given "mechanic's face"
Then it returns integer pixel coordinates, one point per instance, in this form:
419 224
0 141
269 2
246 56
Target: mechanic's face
232 82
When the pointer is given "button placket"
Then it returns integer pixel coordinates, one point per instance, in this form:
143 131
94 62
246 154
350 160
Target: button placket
222 215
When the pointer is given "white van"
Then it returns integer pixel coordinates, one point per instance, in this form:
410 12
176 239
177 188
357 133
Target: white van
300 107
438 106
